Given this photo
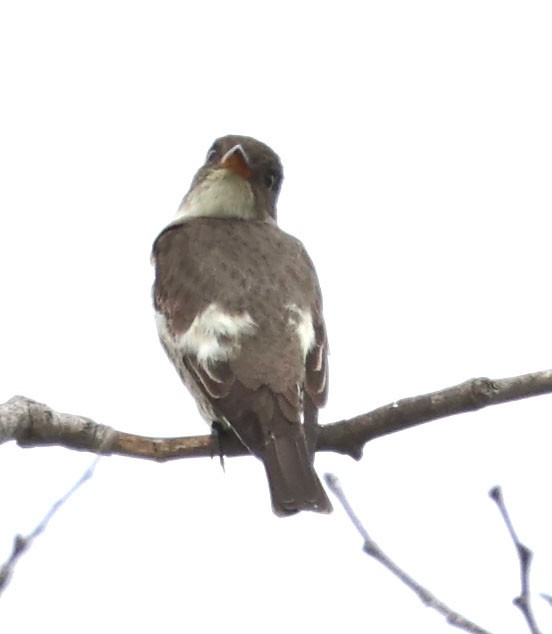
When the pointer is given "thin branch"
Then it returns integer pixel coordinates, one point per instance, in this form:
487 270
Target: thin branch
525 556
22 543
349 436
547 598
34 424
371 548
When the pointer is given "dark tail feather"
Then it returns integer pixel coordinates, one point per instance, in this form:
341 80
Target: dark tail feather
294 485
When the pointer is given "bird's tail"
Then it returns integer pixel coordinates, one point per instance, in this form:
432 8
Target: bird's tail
294 485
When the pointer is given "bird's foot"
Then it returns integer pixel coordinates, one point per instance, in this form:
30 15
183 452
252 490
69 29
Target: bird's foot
218 432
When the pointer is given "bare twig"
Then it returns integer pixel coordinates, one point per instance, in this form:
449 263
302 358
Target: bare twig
34 424
525 556
547 598
22 543
371 548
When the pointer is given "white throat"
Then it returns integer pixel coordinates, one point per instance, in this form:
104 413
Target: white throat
222 194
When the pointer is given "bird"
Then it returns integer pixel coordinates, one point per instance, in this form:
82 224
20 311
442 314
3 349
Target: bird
238 311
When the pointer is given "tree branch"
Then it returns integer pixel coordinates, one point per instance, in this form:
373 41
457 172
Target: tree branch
22 543
349 436
373 550
33 424
525 556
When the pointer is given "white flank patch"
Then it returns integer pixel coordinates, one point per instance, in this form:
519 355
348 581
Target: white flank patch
213 336
301 320
222 194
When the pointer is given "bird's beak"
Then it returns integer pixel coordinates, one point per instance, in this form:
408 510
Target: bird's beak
236 160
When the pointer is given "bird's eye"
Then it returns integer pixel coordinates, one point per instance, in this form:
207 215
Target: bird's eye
271 179
211 154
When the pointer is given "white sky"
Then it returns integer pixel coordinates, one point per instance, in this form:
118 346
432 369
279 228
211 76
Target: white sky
416 139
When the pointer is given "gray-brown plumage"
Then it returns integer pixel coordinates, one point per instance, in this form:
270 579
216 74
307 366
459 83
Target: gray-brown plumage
239 313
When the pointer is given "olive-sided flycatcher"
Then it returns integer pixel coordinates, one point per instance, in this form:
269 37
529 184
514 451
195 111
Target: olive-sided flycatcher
239 313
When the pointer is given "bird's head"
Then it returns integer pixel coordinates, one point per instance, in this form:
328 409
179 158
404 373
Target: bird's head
241 178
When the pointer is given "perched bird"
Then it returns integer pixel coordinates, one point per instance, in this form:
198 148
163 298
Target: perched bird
239 313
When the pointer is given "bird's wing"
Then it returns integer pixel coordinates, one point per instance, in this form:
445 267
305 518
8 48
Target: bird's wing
185 287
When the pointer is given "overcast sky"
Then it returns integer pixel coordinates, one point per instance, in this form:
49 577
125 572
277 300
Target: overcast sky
416 140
